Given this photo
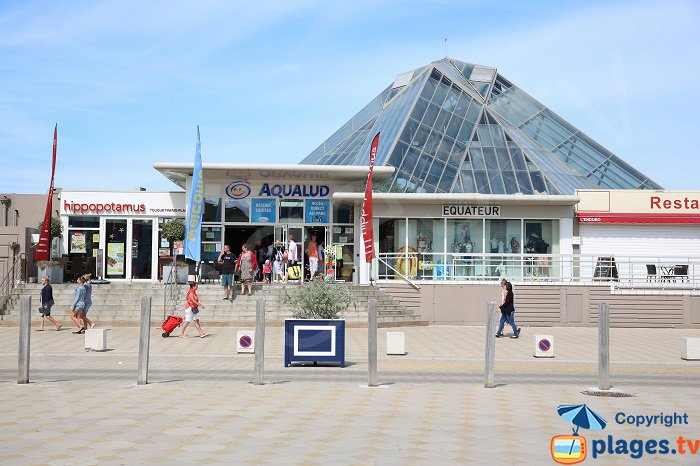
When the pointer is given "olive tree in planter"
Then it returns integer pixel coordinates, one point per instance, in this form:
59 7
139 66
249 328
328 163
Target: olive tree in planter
316 333
174 230
51 269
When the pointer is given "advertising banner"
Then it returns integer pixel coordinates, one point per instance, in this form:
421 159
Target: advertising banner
366 220
77 242
42 251
263 210
195 208
115 258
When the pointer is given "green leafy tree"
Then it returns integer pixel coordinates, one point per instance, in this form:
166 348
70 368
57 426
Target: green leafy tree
173 230
320 300
56 227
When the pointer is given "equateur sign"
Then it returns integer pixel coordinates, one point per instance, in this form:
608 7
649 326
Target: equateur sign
467 211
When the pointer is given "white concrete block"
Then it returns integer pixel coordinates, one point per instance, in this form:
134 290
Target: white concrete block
395 343
544 346
690 348
245 341
96 339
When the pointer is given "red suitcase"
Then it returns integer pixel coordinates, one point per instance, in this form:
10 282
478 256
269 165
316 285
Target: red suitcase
170 324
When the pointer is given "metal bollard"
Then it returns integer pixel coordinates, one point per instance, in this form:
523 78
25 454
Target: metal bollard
372 341
490 353
259 342
603 346
144 340
25 327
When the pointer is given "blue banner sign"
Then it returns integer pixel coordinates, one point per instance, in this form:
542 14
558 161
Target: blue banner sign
264 210
317 210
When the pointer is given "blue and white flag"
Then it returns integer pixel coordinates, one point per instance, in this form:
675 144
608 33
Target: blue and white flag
195 208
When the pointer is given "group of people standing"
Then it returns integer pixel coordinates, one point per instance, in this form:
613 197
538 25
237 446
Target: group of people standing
274 263
82 302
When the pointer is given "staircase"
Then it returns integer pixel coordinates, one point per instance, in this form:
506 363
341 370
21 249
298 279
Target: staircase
120 304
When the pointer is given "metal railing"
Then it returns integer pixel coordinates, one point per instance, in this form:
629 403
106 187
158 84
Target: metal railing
16 272
666 272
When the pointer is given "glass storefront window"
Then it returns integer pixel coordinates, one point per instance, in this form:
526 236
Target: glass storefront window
503 237
343 234
115 255
292 211
541 237
464 237
426 236
237 210
141 248
343 212
84 222
212 209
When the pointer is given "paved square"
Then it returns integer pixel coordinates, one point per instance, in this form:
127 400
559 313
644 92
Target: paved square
85 407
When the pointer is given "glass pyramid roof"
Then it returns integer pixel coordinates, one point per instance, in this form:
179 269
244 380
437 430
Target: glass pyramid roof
458 127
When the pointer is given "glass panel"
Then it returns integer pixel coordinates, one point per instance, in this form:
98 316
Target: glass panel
448 178
392 235
477 158
490 158
523 182
430 114
457 153
441 121
497 136
451 100
473 112
462 105
421 137
496 182
419 109
484 135
538 182
443 151
84 222
237 210
115 256
440 94
509 182
503 159
453 126
292 211
212 234
435 173
343 212
429 89
482 182
212 209
465 131
464 236
83 243
468 185
141 248
432 143
409 131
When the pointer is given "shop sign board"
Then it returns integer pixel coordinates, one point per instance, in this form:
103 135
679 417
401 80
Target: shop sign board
470 211
263 210
317 210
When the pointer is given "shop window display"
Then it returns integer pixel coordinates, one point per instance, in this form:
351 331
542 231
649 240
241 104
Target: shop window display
464 238
541 237
503 241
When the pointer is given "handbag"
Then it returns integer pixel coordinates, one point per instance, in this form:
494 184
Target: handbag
195 310
294 272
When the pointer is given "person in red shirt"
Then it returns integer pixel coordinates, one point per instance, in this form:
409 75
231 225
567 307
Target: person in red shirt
192 306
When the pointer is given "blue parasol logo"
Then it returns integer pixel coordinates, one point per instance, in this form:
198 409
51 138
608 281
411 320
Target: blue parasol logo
571 449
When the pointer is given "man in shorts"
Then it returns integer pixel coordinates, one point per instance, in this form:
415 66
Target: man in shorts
227 259
313 257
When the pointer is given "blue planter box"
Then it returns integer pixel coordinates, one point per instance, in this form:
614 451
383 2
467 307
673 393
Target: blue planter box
311 340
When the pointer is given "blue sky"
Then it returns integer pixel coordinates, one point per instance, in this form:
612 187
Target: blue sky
267 82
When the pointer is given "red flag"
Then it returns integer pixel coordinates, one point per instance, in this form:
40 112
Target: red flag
366 221
43 247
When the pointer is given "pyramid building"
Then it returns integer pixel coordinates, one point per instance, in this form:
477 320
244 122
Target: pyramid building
455 127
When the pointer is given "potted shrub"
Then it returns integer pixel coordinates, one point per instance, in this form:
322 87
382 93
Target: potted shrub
316 333
174 230
51 268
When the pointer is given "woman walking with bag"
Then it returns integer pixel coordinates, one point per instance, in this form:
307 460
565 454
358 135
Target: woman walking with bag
78 306
192 306
508 312
88 301
46 303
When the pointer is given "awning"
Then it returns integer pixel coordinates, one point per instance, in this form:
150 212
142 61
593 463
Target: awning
610 217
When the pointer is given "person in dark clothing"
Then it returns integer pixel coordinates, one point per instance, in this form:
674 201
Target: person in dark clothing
46 304
508 312
227 259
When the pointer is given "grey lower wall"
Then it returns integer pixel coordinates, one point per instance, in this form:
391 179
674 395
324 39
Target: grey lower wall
548 305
